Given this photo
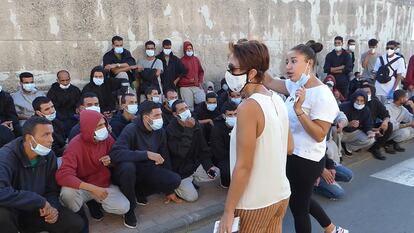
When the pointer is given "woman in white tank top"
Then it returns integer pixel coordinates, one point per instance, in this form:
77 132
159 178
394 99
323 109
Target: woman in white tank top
259 144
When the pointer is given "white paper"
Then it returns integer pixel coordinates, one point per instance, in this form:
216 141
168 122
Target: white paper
234 228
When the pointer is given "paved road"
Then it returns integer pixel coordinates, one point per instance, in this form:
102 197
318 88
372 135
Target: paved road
371 205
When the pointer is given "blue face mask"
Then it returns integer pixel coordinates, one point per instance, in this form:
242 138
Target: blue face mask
119 50
236 100
157 124
211 107
40 149
304 78
231 121
185 115
171 102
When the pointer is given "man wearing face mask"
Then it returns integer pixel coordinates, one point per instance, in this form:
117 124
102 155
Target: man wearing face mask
152 94
172 67
229 95
351 52
190 154
224 87
142 161
9 123
359 133
64 96
120 63
206 113
29 192
356 82
167 114
220 140
339 64
128 112
24 97
389 70
84 174
150 62
190 83
106 88
44 107
369 58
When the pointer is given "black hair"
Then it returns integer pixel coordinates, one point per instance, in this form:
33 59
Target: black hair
339 38
351 40
356 73
242 40
146 107
123 97
166 42
62 71
371 87
398 94
39 101
177 102
169 90
316 47
150 42
392 42
25 75
228 106
222 82
307 51
116 38
97 69
149 90
372 42
86 95
211 95
30 125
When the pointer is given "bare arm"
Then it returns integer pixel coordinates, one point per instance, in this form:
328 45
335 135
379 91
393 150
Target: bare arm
275 84
365 61
397 81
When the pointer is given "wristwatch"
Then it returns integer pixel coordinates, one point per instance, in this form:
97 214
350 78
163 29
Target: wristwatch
118 65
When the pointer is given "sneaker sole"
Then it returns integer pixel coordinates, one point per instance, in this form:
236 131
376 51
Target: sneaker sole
98 219
141 204
128 226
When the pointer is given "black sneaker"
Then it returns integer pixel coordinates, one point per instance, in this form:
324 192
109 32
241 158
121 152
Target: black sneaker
377 153
346 151
390 149
95 209
142 200
398 148
130 220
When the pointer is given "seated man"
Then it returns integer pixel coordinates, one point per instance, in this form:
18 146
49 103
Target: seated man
9 123
120 63
229 95
167 114
358 134
88 101
64 96
152 94
206 113
220 140
44 107
142 161
24 97
106 88
28 189
382 125
356 82
84 174
129 109
402 120
327 185
189 151
224 87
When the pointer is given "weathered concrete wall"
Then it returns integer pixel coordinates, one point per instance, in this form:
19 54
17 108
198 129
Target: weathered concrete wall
44 36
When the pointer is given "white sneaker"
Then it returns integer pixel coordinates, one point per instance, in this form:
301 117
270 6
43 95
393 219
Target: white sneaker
341 230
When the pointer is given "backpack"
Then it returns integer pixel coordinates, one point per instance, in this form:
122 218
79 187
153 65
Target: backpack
383 73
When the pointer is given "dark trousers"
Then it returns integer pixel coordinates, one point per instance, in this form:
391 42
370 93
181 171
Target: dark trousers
13 221
146 178
302 174
381 141
224 166
6 135
342 84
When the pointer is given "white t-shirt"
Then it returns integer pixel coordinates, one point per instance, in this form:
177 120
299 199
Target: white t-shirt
268 183
384 89
320 104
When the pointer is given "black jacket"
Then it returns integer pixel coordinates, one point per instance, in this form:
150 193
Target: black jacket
333 60
134 142
188 149
363 116
355 84
64 100
172 71
220 140
126 57
202 113
118 123
59 138
6 135
377 109
25 187
8 112
167 116
107 93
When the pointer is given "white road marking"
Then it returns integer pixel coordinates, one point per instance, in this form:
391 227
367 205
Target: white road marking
401 173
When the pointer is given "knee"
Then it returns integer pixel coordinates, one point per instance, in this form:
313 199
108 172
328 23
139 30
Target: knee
71 198
174 180
126 170
122 75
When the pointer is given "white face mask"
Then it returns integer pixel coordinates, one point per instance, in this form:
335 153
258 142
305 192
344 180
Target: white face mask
338 48
1 88
189 53
390 52
150 53
167 51
369 98
185 115
156 99
101 134
330 83
359 106
51 117
29 87
236 83
373 50
171 102
211 107
98 81
132 109
352 48
94 108
119 50
64 87
231 121
40 149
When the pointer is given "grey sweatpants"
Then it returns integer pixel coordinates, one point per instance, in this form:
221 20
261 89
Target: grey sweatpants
192 95
401 135
357 140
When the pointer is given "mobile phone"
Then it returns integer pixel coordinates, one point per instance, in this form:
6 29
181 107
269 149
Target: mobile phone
234 229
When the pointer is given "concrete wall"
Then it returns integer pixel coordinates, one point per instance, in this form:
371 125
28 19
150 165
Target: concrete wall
44 36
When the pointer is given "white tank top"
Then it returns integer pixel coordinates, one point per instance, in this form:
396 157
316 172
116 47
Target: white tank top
268 183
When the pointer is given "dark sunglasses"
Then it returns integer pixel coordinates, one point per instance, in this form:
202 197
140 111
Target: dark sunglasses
231 68
389 48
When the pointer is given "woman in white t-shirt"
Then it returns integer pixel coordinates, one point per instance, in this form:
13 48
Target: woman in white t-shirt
259 189
312 109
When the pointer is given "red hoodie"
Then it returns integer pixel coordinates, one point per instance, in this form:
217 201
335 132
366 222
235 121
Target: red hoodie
80 161
409 78
195 72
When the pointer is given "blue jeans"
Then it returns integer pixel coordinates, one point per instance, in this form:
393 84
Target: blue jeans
334 191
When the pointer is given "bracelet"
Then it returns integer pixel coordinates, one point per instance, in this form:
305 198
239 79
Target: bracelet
298 115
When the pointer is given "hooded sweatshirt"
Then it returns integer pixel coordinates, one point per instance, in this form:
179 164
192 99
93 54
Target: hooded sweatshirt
331 78
409 77
81 157
363 115
195 73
